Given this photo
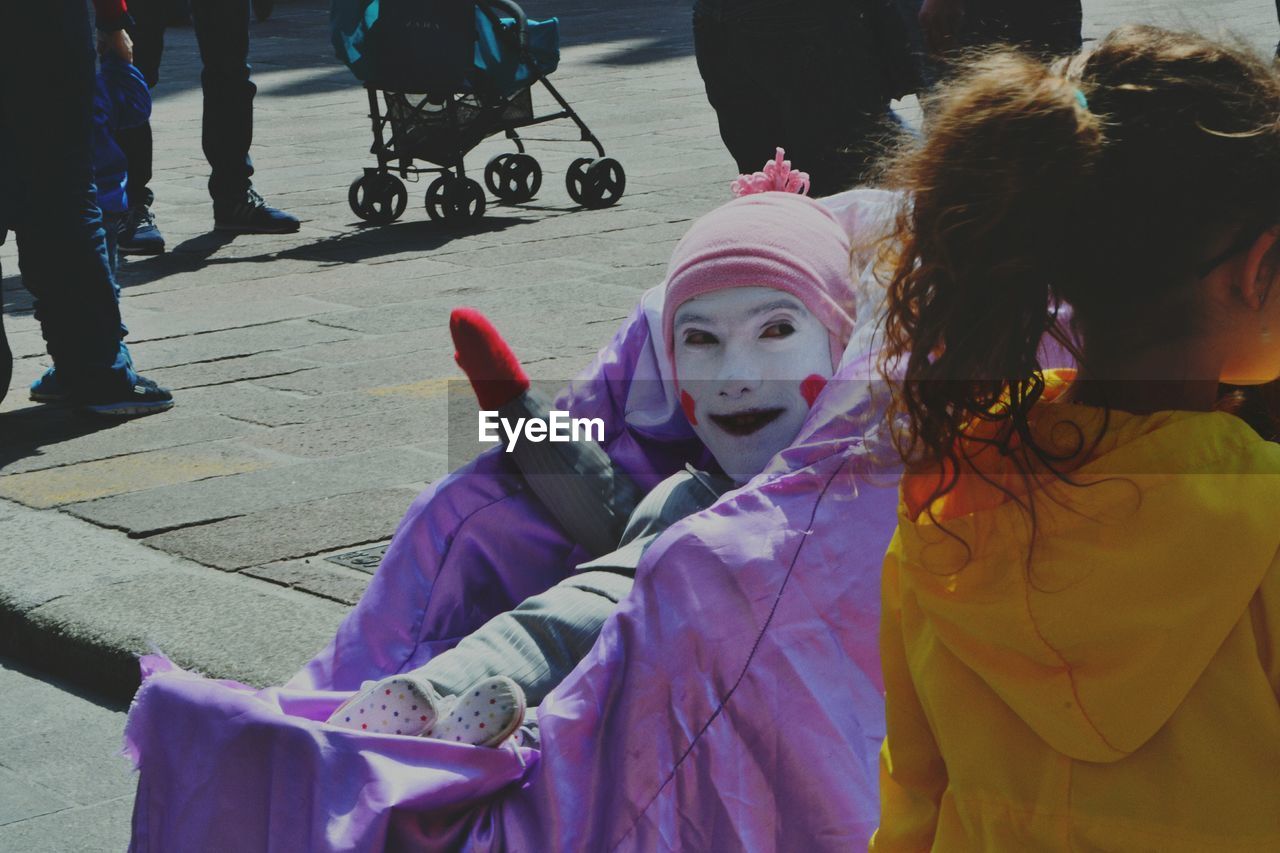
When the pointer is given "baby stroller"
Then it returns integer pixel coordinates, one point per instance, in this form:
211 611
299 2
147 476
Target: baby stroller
442 75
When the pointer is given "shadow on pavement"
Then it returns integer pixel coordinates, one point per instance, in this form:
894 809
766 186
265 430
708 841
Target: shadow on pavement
363 243
17 300
652 49
27 668
27 430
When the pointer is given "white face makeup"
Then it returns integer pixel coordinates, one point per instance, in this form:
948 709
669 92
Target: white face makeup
749 361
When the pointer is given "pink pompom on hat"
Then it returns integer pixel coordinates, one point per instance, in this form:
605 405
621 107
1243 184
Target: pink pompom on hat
770 236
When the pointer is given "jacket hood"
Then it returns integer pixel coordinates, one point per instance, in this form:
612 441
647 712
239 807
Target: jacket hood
1094 629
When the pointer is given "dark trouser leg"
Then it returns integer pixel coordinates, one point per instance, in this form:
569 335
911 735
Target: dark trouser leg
147 33
538 643
748 129
62 250
833 97
811 83
135 142
222 30
75 298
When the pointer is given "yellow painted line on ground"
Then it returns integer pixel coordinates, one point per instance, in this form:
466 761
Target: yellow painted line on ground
89 480
425 389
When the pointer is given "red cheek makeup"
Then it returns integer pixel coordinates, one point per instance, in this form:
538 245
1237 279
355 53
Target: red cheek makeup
811 387
686 403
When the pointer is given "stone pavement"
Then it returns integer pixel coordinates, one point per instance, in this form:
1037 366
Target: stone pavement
62 785
311 370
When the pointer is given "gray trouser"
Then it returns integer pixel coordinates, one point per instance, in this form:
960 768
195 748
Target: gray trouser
538 643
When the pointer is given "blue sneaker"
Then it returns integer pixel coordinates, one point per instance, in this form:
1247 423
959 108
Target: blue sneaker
48 388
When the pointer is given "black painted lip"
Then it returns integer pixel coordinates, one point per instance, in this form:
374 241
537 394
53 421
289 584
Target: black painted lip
746 422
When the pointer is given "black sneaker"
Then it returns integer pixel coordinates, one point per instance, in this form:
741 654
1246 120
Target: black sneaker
251 215
144 397
138 233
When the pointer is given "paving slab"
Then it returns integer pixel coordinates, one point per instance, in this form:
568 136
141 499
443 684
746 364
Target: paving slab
284 336
257 404
60 754
133 472
167 507
91 829
298 530
336 437
82 602
68 759
403 345
47 438
316 576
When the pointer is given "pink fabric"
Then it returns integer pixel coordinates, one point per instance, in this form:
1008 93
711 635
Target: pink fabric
772 239
777 175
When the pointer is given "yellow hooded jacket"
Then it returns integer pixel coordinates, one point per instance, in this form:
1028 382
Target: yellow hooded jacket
1120 690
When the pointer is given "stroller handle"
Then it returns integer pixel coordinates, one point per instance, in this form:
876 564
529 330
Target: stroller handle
511 8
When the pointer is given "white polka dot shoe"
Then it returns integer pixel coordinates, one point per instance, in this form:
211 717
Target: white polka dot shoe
486 715
399 705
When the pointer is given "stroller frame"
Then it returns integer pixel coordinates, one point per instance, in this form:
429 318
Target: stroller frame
380 197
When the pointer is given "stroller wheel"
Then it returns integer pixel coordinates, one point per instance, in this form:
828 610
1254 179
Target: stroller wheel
595 183
454 200
377 197
513 178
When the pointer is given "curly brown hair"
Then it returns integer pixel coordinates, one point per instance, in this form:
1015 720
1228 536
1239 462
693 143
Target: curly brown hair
1100 182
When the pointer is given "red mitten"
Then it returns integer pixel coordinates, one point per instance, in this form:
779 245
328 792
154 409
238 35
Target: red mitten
494 371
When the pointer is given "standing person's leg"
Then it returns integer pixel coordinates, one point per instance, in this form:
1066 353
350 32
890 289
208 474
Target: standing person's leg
139 234
749 130
62 250
834 95
807 78
222 31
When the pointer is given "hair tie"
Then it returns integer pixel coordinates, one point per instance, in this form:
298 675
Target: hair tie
778 176
1081 99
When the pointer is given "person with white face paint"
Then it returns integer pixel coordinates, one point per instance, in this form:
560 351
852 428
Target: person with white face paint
744 356
757 310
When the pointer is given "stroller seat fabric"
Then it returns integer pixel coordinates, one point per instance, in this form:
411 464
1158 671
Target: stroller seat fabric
406 45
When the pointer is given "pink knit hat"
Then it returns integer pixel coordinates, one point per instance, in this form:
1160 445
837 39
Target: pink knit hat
772 239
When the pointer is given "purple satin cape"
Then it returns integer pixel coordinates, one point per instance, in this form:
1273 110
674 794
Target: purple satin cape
733 701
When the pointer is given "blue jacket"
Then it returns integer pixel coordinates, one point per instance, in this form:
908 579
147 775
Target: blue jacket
122 100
